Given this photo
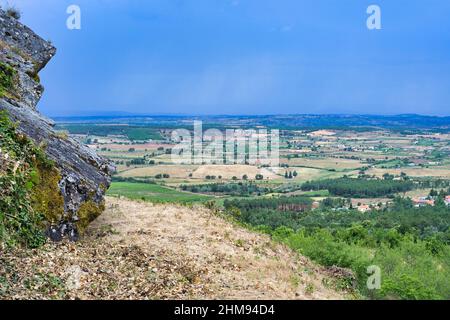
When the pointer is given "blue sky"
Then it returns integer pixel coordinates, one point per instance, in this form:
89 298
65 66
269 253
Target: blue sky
244 56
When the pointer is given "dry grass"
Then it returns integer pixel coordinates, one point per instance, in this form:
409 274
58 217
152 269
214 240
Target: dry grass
326 163
230 171
140 251
443 172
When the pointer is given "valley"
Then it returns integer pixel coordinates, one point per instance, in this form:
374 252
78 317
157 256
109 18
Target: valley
347 197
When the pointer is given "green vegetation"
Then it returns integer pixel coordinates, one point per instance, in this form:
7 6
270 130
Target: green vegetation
394 163
318 193
410 245
13 13
271 212
153 193
88 212
133 133
359 188
233 189
409 268
133 180
22 169
7 74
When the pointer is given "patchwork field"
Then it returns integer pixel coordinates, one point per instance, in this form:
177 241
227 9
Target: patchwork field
230 171
440 172
325 163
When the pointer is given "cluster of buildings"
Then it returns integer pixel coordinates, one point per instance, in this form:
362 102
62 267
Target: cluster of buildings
423 201
364 208
427 201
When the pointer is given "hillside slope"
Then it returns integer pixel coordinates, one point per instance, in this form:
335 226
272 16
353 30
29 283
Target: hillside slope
137 250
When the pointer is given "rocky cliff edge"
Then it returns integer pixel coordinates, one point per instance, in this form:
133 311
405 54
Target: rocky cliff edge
74 192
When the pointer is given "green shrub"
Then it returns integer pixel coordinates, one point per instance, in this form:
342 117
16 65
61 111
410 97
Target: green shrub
7 74
409 270
21 162
14 13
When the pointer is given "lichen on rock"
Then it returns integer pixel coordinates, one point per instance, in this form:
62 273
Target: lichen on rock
45 195
69 193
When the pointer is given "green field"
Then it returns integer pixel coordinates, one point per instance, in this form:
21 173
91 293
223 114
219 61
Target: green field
318 193
153 193
133 133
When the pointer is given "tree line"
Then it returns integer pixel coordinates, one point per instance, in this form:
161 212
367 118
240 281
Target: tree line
358 187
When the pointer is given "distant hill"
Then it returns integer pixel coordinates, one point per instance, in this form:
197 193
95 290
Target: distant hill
338 121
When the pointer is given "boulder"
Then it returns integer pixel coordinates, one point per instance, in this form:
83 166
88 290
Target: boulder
74 192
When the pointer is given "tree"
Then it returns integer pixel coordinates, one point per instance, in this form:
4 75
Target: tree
244 177
440 203
259 177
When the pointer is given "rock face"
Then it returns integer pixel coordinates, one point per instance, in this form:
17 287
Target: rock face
83 176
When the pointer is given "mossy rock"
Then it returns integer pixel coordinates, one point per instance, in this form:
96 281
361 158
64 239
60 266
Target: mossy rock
46 195
88 212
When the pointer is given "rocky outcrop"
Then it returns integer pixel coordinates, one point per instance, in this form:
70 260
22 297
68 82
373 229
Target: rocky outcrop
81 176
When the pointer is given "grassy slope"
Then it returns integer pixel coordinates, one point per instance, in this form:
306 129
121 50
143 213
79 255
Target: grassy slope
136 250
153 193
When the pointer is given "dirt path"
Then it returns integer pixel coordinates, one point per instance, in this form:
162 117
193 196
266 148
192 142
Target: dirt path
136 250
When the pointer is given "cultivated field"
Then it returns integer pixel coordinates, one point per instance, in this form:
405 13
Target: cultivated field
175 171
438 172
153 193
325 163
230 171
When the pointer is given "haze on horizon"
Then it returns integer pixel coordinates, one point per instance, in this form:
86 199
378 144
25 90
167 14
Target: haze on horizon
244 57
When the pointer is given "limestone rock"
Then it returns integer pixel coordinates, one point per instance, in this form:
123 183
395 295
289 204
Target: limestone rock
84 176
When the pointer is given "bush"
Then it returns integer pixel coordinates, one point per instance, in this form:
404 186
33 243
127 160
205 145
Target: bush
409 245
20 223
13 12
6 78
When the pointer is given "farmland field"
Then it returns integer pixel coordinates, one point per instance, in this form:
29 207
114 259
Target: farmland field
153 193
175 171
324 163
438 172
230 171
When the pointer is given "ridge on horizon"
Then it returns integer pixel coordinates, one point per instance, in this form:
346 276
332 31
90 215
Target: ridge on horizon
117 114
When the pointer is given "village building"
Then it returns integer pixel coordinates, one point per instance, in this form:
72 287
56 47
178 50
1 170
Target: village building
422 202
363 208
447 200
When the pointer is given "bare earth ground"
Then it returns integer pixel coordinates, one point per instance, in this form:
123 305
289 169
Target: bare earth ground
136 250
